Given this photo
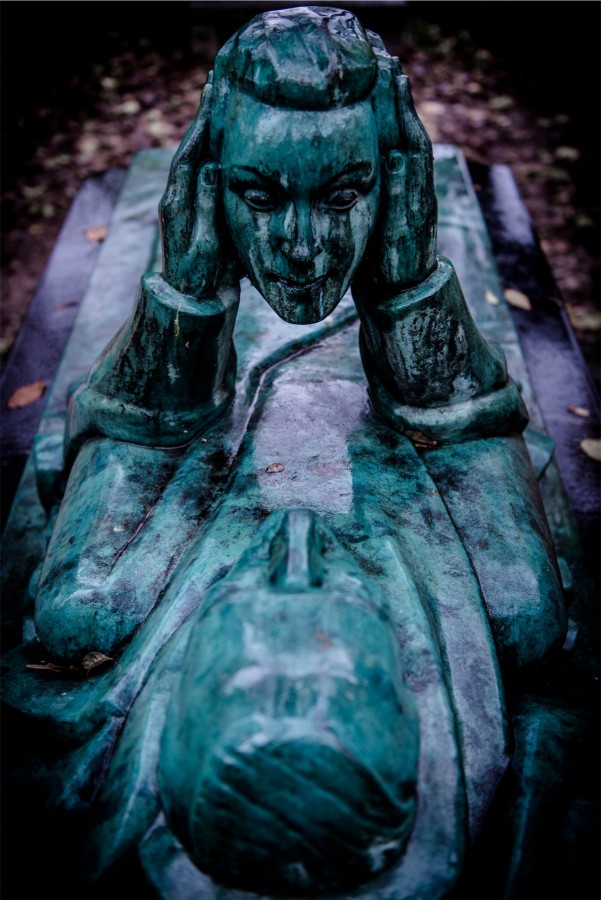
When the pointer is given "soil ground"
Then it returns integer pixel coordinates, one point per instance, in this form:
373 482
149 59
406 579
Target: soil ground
124 76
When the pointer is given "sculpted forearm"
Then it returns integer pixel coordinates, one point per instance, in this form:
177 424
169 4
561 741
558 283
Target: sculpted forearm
430 371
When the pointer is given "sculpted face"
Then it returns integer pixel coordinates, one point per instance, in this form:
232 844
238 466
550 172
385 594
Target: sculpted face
301 192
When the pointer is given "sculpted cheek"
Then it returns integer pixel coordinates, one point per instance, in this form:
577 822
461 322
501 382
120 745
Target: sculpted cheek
340 241
362 224
259 247
235 221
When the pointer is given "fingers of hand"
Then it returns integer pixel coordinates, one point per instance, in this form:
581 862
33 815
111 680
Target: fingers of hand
203 257
189 151
207 187
175 214
177 194
413 134
176 209
187 158
420 183
420 170
408 233
395 190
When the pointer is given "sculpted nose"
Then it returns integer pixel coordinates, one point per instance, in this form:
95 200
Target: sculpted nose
299 244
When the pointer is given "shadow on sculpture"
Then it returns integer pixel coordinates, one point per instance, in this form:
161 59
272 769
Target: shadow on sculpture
306 693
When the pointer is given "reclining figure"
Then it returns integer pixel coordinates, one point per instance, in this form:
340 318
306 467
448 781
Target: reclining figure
332 710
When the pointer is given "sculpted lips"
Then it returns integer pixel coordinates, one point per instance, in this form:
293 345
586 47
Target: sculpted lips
300 284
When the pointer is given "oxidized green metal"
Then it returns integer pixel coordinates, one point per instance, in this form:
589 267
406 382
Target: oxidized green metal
308 605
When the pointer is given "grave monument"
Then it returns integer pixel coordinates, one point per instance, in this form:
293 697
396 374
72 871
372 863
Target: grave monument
307 550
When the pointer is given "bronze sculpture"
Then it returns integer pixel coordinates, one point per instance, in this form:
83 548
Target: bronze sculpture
307 170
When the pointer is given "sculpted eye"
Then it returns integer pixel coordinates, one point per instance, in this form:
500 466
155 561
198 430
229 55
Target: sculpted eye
342 199
259 200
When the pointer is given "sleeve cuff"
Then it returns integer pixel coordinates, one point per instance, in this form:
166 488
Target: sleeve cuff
498 413
165 376
429 369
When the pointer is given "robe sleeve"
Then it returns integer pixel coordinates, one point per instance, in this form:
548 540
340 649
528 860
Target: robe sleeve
166 374
429 369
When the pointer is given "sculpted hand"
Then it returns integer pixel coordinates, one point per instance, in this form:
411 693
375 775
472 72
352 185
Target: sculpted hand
193 256
404 246
408 249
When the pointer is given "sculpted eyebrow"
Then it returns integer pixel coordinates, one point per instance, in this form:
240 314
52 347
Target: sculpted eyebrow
363 170
242 172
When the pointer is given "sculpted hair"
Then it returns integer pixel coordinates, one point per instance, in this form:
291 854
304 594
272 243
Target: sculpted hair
308 58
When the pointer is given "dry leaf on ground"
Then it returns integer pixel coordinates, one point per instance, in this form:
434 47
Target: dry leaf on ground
592 448
517 299
585 320
420 440
26 394
94 659
274 468
579 411
96 234
50 667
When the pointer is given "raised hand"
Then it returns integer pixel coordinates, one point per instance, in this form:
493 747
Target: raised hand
192 254
408 250
403 249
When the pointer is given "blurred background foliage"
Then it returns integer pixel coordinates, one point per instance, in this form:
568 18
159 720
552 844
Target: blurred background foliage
86 85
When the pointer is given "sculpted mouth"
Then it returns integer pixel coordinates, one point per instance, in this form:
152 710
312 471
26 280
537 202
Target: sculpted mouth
300 284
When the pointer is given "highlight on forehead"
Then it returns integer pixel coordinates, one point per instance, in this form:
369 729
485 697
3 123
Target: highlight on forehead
303 58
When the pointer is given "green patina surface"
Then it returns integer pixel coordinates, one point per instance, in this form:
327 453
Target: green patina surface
281 377
310 603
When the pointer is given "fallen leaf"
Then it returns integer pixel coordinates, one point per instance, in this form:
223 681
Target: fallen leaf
579 411
421 440
94 659
128 108
556 174
592 448
570 153
26 394
33 191
502 102
55 162
491 298
156 125
96 234
50 667
274 468
585 320
517 299
432 108
88 146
